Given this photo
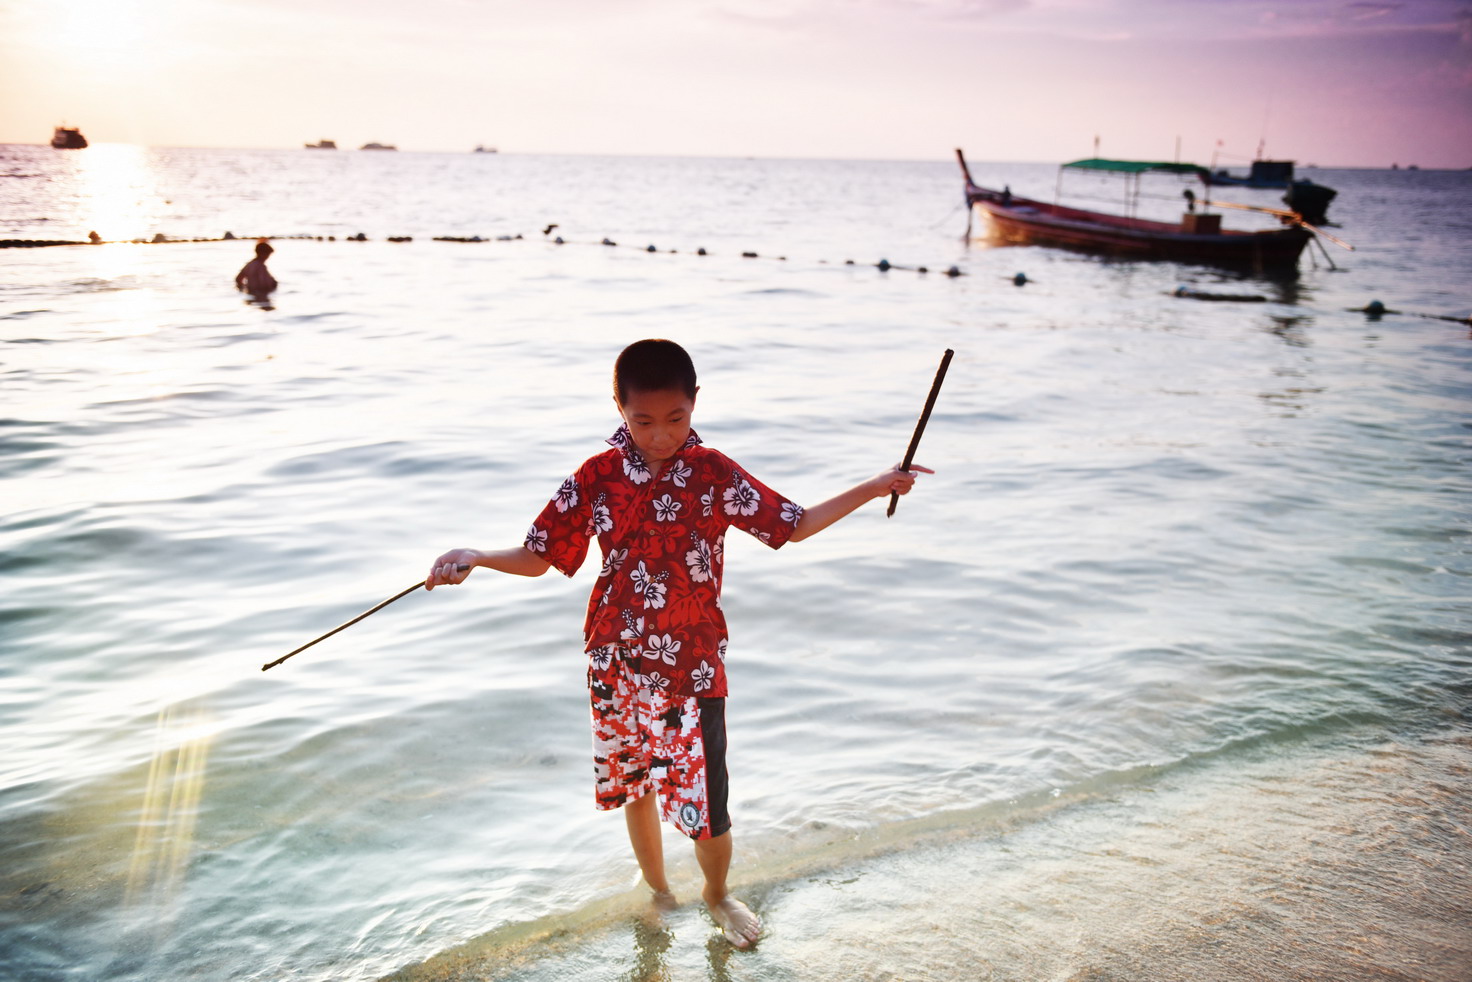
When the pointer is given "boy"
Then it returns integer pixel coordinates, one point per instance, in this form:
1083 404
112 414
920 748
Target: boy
660 503
254 278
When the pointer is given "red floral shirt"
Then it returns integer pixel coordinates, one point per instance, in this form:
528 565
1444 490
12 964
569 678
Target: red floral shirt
663 542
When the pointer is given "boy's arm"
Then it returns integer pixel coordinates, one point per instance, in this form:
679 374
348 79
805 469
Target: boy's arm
820 516
518 560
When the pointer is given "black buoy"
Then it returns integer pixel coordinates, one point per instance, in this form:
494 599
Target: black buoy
651 248
608 242
1020 279
883 265
701 251
953 272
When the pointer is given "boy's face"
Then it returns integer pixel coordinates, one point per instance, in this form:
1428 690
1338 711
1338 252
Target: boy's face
659 422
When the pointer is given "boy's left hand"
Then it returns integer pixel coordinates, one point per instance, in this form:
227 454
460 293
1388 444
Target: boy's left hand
896 481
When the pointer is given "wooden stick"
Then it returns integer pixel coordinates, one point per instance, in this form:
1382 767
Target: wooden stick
347 624
1292 215
940 376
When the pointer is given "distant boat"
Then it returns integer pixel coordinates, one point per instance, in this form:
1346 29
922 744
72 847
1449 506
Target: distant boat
1198 237
1262 174
378 146
322 145
68 138
483 149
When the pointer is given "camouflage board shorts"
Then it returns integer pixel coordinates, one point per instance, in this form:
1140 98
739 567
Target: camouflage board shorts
645 740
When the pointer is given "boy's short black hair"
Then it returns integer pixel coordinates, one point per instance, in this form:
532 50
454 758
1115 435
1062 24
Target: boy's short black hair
653 365
263 249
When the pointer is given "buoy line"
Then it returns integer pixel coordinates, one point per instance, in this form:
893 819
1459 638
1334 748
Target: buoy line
883 265
1374 310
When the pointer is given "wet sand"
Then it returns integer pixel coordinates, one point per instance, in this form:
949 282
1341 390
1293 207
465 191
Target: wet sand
1302 864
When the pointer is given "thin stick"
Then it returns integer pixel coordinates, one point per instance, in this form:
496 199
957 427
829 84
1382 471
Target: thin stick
1293 215
347 624
940 376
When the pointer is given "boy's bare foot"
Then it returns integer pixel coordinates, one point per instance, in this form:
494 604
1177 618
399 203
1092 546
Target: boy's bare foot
664 901
740 926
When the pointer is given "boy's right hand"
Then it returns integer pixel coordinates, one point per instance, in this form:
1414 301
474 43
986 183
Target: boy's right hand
451 568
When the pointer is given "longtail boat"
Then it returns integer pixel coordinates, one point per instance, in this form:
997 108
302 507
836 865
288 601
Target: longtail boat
1197 238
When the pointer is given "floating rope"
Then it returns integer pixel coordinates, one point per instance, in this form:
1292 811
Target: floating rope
883 265
1373 310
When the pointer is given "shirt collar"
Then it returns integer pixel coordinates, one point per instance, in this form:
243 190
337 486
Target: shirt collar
625 442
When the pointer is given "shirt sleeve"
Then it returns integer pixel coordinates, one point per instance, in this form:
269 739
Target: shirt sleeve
753 507
561 532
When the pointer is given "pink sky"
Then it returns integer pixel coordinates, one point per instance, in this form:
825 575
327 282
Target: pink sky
1332 83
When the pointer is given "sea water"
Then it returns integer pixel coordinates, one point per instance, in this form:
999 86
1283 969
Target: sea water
1164 673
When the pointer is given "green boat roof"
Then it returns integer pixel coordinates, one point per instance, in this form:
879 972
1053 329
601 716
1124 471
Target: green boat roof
1138 166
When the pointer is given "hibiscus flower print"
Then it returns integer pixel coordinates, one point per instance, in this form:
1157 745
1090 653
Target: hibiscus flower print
636 470
698 559
621 438
667 509
708 502
614 561
602 520
741 498
662 647
703 677
679 472
536 540
720 650
653 680
567 495
633 627
601 656
791 513
651 588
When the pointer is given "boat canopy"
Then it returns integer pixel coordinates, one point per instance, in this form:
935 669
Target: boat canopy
1139 166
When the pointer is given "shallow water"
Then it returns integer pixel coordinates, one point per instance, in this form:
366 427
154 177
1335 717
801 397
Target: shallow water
1166 537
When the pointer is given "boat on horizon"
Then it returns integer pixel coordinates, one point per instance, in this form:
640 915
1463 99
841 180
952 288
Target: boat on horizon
322 145
1197 238
378 146
482 148
68 138
1272 174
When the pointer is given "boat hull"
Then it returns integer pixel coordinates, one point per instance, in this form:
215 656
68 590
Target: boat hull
67 138
1022 221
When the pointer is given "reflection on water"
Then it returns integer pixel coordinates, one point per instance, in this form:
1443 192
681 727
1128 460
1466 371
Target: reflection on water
118 188
166 820
1162 532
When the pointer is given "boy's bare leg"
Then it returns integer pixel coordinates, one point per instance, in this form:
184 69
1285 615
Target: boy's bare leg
642 819
740 926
